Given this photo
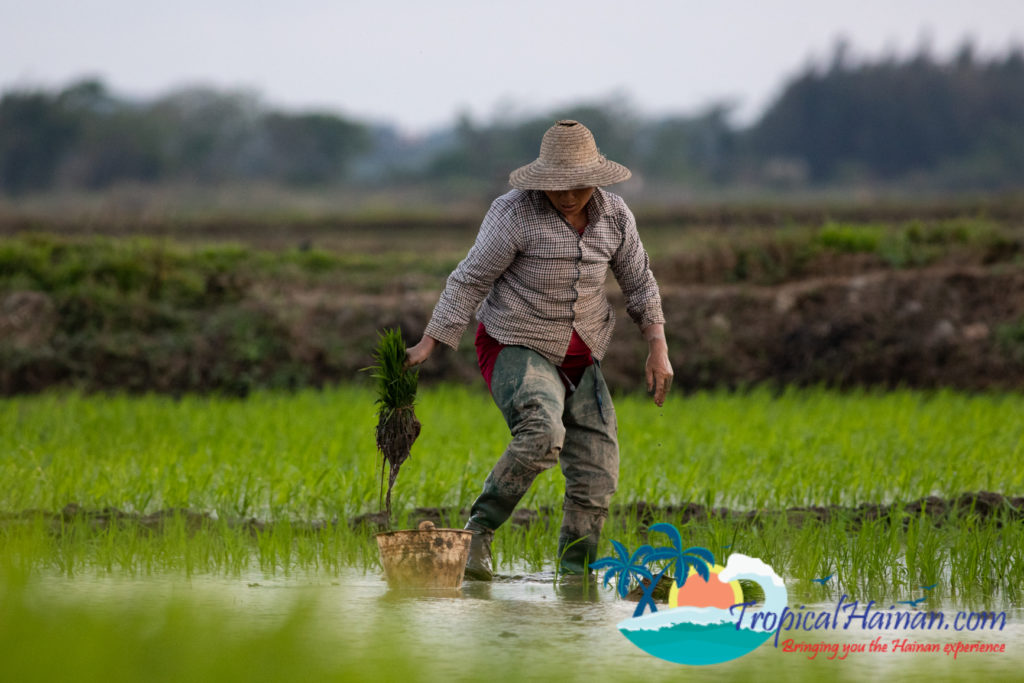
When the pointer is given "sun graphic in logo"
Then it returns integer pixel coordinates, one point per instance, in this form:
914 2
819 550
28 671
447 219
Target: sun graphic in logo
714 592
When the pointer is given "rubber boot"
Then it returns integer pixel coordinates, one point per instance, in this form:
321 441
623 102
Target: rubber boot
478 565
575 556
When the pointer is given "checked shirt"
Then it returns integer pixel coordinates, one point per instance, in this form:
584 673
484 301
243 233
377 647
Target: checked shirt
538 278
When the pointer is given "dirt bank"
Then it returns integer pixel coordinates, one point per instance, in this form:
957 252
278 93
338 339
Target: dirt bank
960 327
923 305
955 327
639 514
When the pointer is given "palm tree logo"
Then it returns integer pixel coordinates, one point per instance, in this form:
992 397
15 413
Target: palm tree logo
627 567
699 626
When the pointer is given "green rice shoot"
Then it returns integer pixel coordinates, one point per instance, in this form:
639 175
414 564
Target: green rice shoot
397 426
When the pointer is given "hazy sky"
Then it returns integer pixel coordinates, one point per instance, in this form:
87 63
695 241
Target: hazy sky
417 63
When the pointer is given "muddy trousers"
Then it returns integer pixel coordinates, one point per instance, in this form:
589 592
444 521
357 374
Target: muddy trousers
551 425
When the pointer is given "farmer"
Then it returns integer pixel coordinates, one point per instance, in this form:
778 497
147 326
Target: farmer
539 266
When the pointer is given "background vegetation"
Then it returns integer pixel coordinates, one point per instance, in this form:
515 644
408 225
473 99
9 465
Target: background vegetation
780 297
917 123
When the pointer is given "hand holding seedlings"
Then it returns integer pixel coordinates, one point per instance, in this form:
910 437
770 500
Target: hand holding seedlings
421 352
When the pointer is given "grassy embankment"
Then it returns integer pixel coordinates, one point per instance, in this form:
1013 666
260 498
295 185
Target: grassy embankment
143 314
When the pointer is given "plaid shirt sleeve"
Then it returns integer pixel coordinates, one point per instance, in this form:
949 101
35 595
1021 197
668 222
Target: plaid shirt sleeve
632 270
495 248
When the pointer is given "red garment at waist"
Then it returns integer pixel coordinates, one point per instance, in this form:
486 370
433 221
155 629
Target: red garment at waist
577 357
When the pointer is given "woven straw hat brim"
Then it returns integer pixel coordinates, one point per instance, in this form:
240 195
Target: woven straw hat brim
540 176
569 159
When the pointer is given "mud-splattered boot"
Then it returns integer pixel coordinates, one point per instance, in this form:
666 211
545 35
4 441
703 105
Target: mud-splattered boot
576 554
579 536
478 566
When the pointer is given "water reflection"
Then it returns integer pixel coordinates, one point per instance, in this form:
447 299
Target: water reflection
505 620
575 589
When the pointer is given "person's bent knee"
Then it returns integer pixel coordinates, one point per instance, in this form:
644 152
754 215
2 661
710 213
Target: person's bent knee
539 440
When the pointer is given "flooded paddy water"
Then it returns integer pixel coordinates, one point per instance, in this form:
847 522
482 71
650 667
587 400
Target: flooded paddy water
517 627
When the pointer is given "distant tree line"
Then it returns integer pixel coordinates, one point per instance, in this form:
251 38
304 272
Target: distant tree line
940 123
85 137
957 121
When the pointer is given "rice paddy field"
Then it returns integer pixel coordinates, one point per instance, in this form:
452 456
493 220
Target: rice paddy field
190 488
150 537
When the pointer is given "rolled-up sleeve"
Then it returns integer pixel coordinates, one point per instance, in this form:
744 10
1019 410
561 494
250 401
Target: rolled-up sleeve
495 248
632 270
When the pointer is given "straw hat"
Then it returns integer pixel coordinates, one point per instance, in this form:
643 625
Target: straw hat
568 160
